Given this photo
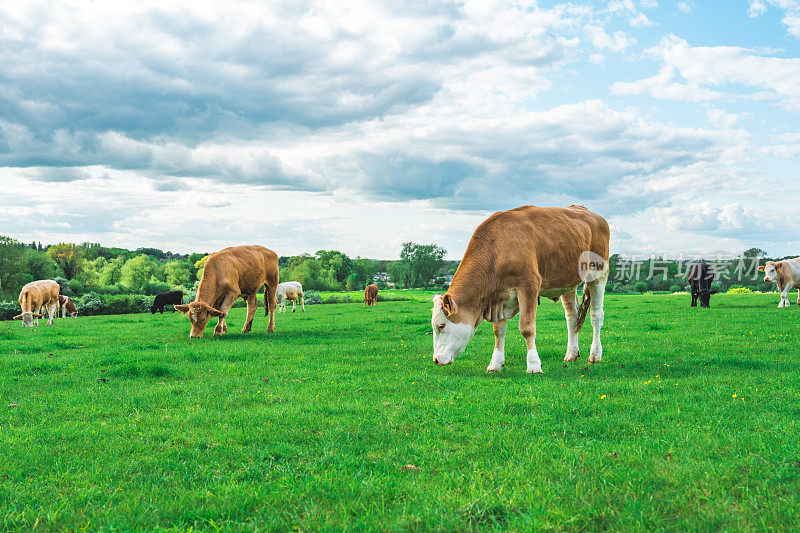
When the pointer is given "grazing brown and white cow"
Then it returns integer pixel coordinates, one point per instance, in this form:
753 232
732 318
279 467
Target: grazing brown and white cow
786 274
292 291
67 306
370 295
513 258
228 274
35 296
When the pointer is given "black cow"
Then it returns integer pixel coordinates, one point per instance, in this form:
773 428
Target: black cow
700 277
166 298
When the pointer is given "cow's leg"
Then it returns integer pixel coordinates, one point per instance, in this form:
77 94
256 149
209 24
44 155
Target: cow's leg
303 302
528 299
694 297
499 353
252 305
52 312
227 303
294 304
597 291
270 302
570 303
784 297
798 296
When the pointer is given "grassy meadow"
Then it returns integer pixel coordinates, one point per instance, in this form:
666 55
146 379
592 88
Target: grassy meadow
340 420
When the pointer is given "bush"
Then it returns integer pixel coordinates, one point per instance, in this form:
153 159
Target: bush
640 286
91 304
338 299
9 310
391 298
76 287
125 304
674 288
311 297
111 289
152 288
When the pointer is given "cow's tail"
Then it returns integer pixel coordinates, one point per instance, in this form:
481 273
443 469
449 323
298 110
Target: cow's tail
583 309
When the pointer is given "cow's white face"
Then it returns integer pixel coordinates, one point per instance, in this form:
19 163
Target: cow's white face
199 314
27 318
771 272
450 339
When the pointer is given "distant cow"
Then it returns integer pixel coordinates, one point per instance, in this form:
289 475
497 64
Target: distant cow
700 277
67 306
292 291
37 295
370 295
164 299
786 274
228 274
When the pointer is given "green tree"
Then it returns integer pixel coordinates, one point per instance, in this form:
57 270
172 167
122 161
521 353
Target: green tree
69 258
423 261
399 273
199 265
754 252
10 257
136 272
178 273
39 265
111 271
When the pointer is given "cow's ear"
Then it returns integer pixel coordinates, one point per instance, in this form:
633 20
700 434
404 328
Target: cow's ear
761 268
17 317
449 305
183 308
214 312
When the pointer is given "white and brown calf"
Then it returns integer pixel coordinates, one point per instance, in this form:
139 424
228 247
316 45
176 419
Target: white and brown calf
292 291
786 274
67 307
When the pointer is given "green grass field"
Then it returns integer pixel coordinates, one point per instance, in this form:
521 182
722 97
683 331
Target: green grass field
340 420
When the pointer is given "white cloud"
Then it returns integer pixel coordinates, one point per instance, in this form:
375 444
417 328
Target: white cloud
791 17
710 71
616 42
640 20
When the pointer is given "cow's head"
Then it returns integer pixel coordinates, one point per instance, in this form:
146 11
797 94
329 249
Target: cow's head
451 330
770 270
199 314
27 318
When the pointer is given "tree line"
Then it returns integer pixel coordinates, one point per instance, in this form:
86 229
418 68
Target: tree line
91 267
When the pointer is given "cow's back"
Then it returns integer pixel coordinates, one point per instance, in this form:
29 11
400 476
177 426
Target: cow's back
38 293
242 267
547 241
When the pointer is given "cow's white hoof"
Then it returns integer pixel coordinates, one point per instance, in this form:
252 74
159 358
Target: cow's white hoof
596 356
535 370
494 368
570 357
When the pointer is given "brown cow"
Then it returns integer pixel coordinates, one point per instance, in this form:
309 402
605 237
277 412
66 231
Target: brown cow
786 274
66 305
513 258
37 295
228 274
370 295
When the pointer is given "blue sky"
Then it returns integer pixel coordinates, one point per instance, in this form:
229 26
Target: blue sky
308 125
